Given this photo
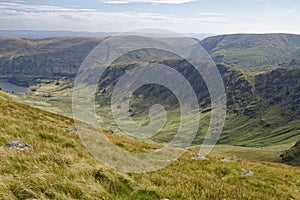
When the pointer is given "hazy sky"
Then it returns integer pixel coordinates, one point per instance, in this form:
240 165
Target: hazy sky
197 16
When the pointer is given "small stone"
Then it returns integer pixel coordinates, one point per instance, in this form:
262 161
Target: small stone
247 173
199 157
226 160
169 161
72 129
18 145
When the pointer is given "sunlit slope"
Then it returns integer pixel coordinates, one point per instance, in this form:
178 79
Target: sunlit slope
61 168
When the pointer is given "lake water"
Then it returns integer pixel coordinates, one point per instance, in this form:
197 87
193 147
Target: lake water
10 87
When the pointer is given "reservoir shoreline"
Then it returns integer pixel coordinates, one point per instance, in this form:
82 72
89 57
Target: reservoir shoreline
10 87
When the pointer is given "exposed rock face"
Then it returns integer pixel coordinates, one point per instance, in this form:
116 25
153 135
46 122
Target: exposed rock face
292 156
18 145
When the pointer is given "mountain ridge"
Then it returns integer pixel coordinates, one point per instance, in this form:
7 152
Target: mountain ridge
253 51
47 57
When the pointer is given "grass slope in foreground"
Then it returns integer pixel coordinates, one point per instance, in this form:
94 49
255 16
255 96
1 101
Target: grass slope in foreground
61 168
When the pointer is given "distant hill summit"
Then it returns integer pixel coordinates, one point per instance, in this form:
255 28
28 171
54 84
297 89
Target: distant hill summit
40 34
254 51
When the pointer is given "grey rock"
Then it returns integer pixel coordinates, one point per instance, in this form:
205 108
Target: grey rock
72 129
169 160
18 145
199 157
247 173
226 160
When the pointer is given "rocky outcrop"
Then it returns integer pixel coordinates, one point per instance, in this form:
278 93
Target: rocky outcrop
292 156
72 129
18 146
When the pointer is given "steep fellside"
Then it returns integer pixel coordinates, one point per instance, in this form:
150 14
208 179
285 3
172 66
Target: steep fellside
61 168
263 108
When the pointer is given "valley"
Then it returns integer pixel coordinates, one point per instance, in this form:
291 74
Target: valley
262 125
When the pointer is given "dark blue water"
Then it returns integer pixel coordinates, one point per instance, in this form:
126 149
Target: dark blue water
12 88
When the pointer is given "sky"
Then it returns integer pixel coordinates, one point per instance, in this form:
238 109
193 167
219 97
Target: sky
183 16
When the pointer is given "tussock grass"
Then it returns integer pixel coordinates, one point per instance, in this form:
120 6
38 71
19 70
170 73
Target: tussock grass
61 168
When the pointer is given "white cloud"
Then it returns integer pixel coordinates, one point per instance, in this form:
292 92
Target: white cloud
146 1
16 1
22 16
31 8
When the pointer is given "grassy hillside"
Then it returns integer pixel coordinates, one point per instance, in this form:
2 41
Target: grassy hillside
263 108
25 60
253 51
61 168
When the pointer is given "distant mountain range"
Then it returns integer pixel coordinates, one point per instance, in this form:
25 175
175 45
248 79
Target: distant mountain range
36 34
63 55
40 34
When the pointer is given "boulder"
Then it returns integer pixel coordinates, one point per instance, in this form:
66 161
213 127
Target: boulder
18 145
247 173
226 160
199 157
72 129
